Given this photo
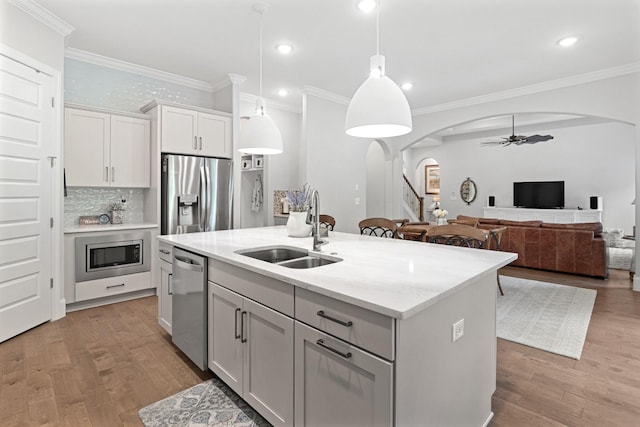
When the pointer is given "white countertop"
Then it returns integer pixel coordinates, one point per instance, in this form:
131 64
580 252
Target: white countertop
106 227
397 278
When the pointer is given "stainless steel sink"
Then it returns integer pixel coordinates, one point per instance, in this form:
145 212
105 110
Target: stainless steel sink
309 262
274 254
288 256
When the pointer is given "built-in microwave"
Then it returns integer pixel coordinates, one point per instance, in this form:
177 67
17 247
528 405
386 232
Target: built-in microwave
108 255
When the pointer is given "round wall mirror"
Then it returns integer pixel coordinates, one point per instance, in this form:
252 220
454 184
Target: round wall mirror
468 191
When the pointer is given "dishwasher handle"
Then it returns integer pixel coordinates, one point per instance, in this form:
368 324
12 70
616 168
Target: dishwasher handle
187 264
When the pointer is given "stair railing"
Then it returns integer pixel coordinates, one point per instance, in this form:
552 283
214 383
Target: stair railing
411 198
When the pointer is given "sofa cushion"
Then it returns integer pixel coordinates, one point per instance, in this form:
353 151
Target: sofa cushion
520 223
596 227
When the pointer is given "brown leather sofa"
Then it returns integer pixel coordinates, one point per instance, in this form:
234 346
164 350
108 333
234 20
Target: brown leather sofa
576 248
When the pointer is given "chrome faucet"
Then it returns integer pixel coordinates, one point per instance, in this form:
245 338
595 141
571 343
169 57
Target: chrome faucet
317 241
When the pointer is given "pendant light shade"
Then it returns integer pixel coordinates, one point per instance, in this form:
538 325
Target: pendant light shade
260 135
379 108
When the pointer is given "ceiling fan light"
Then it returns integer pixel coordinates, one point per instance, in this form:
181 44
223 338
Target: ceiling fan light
378 109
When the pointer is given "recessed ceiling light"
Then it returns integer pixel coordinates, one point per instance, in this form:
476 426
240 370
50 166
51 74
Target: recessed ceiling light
284 48
282 92
367 5
407 86
567 41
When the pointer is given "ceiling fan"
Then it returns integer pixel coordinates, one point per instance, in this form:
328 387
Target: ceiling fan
518 139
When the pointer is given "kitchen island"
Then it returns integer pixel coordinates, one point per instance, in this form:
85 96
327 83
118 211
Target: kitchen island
396 333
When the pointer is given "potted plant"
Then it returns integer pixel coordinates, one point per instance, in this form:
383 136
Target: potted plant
117 212
441 216
299 201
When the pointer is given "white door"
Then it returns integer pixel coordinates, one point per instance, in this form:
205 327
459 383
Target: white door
215 132
338 384
268 363
86 148
130 144
225 335
179 131
26 138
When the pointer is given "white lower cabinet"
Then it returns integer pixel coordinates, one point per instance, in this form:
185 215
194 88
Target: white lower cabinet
338 384
164 295
251 350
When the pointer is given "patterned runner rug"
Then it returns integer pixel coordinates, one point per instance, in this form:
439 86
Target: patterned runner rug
210 403
547 316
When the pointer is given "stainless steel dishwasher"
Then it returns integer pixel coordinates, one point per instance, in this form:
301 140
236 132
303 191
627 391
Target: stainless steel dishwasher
189 305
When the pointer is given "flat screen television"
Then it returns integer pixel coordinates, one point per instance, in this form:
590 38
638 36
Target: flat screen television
538 194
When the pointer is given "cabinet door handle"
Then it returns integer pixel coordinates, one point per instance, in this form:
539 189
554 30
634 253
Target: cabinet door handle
322 314
195 142
237 335
113 173
242 327
200 147
115 286
164 251
346 355
169 290
106 173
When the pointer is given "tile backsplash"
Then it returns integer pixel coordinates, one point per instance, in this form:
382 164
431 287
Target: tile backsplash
81 201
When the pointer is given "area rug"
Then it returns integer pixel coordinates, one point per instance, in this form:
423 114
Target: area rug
210 403
547 316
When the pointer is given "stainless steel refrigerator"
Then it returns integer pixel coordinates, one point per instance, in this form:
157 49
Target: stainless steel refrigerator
196 196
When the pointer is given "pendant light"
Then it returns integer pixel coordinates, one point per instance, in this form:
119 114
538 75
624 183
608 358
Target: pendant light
379 108
260 135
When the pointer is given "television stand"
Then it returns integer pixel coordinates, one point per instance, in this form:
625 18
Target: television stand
564 216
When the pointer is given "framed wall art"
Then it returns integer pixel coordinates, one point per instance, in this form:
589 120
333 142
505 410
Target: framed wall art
432 179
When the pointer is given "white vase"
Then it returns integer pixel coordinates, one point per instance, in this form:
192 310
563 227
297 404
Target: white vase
297 224
441 220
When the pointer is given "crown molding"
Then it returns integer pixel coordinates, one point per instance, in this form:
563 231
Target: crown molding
38 12
247 97
117 64
325 94
607 73
237 79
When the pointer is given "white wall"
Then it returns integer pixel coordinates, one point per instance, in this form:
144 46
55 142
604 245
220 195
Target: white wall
593 160
376 188
333 162
29 36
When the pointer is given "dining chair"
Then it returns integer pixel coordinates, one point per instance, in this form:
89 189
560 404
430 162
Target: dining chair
379 227
465 221
458 235
328 221
496 237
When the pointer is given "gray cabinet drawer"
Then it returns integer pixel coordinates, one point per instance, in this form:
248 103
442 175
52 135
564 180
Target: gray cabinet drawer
361 327
265 290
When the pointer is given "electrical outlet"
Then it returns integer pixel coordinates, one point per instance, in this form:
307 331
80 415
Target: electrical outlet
357 201
457 330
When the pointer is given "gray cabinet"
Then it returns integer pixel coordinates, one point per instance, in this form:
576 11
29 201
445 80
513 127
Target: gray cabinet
251 350
338 384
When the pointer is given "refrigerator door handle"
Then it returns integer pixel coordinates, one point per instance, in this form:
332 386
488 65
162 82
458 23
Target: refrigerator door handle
204 196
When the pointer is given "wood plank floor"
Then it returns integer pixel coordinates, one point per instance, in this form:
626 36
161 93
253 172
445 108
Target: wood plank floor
98 367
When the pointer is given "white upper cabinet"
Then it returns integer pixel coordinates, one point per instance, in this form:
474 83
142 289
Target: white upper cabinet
106 150
198 133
